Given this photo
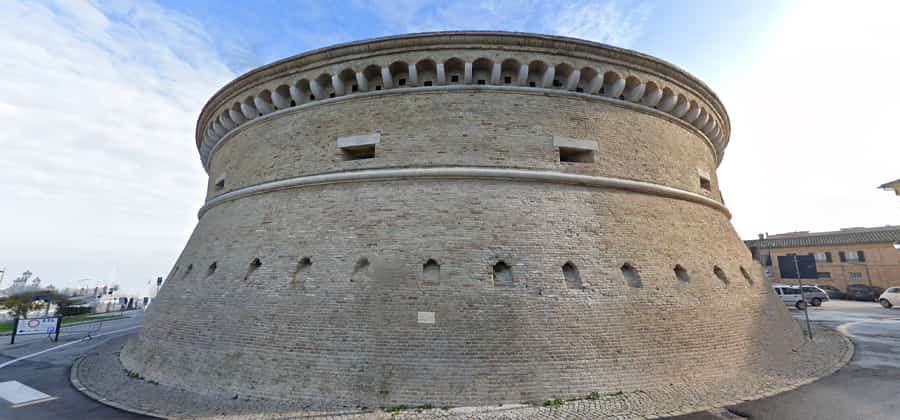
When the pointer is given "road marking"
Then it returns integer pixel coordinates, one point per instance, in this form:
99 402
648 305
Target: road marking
5 364
20 395
845 327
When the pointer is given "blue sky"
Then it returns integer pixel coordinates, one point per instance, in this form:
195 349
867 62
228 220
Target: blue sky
100 178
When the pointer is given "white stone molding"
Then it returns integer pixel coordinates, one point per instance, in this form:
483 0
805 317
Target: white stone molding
358 140
519 175
571 143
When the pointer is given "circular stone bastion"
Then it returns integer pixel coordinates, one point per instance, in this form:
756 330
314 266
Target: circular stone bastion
461 219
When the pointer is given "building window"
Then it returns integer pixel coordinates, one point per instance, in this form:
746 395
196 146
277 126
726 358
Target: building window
312 97
532 84
746 275
681 274
299 276
579 89
568 154
507 79
824 274
354 88
360 270
570 274
481 81
854 275
705 184
502 274
556 83
575 150
401 82
212 269
220 182
632 277
431 272
720 274
454 78
428 83
852 256
254 265
359 146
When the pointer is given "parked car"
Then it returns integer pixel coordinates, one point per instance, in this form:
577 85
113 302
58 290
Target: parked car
814 295
833 292
862 292
890 297
790 295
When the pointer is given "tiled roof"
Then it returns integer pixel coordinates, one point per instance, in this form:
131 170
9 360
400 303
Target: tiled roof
840 237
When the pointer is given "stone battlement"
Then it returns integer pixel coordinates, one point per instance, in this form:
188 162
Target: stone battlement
440 61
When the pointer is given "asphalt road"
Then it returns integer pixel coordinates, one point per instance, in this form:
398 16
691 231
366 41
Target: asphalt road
49 372
867 388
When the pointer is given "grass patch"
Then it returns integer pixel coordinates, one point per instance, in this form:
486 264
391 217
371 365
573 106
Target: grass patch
556 402
7 326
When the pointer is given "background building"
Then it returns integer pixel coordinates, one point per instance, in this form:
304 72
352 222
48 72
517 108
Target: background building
848 256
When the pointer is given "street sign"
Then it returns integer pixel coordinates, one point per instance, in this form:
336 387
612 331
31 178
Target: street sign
805 263
33 326
36 326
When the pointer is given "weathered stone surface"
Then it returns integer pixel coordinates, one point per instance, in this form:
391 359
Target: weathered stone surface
319 290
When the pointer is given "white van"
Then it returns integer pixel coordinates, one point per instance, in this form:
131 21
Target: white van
790 295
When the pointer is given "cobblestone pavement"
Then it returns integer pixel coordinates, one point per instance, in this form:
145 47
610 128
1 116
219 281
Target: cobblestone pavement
100 375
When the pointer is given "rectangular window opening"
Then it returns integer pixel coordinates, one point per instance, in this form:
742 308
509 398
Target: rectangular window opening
532 84
507 79
220 183
578 89
354 88
428 83
481 81
705 184
454 78
401 82
377 87
366 151
571 154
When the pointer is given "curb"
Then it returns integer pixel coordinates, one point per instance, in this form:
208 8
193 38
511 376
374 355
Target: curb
73 378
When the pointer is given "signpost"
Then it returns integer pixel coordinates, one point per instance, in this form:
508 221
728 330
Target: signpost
35 326
799 267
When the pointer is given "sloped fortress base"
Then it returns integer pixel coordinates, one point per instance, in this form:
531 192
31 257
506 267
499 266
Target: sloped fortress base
100 376
462 218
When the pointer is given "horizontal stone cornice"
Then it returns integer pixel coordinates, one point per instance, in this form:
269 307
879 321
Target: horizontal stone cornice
474 173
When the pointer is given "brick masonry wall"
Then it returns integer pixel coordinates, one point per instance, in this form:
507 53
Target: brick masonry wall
333 334
494 129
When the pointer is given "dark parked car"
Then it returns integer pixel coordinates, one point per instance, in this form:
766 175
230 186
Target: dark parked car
834 292
863 292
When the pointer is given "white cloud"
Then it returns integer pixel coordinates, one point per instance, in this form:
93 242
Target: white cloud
814 122
607 22
98 172
602 21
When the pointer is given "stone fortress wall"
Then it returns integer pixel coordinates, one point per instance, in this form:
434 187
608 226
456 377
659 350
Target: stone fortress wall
460 218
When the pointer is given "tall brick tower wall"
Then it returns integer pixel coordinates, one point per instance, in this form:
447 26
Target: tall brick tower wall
460 218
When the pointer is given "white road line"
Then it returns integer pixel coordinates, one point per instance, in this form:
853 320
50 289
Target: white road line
5 364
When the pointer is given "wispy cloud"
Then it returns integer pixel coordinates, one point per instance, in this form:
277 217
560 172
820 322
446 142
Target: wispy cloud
98 105
608 22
